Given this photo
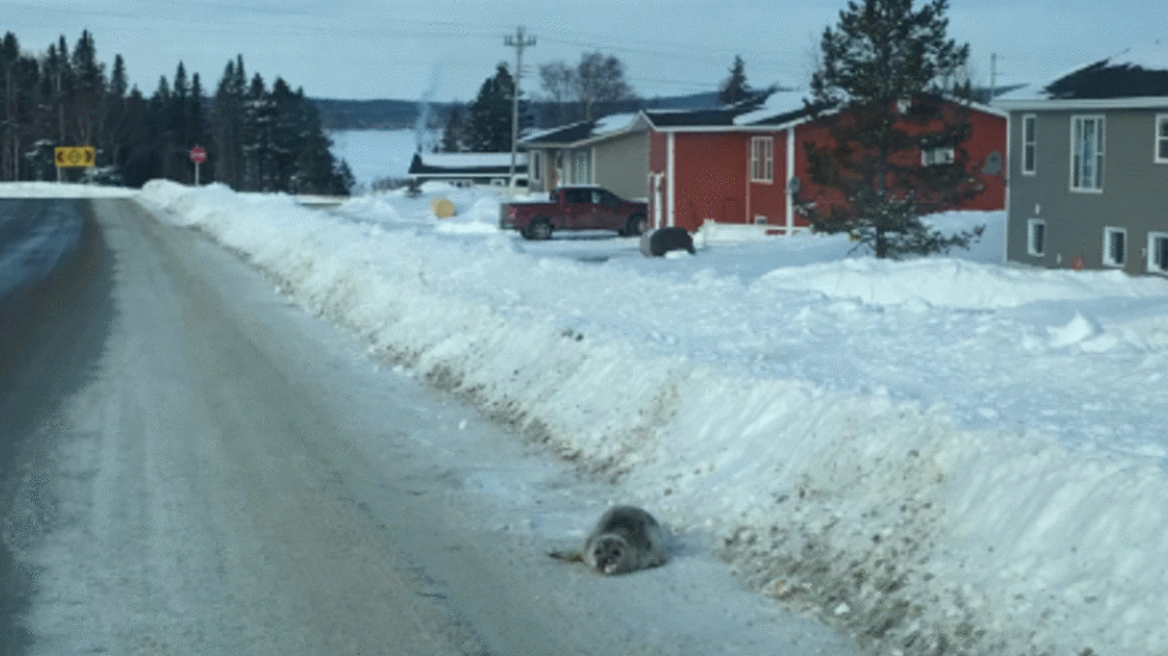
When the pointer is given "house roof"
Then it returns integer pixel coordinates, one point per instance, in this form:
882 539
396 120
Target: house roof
576 134
764 109
1137 76
778 110
464 163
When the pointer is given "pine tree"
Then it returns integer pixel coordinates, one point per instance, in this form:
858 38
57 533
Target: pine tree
734 89
88 98
10 116
491 113
883 67
227 118
259 117
454 135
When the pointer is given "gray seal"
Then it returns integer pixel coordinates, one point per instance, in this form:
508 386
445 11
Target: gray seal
625 539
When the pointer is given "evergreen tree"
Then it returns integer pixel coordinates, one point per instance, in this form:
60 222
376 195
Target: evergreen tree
10 116
883 67
88 99
734 88
227 118
289 137
454 136
258 142
197 112
57 83
259 139
491 113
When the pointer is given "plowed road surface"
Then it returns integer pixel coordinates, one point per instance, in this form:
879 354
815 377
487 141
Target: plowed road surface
190 465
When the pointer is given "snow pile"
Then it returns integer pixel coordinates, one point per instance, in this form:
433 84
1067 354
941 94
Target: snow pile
933 281
943 456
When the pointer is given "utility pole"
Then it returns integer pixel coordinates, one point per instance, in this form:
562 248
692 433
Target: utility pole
519 42
993 77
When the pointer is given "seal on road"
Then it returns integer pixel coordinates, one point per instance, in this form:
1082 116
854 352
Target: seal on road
625 539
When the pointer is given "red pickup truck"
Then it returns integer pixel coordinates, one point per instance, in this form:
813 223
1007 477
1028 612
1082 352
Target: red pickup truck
574 208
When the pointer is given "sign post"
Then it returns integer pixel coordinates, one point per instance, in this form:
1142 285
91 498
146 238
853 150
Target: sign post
198 156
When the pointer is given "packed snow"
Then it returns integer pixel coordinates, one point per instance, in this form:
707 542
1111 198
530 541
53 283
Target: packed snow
950 455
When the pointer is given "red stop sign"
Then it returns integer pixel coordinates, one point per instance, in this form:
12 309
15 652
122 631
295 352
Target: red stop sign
198 154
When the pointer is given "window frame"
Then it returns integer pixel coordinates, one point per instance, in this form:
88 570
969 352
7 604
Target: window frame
535 165
1078 162
938 156
1036 247
1160 140
762 160
1109 234
582 167
1153 267
1029 144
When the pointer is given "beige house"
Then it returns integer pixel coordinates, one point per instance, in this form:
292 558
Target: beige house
612 152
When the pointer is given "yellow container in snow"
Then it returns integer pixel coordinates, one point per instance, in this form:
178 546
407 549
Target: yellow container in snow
442 208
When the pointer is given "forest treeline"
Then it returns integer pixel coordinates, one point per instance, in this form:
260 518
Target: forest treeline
257 137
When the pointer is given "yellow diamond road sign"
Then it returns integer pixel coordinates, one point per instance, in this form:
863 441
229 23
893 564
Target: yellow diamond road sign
74 156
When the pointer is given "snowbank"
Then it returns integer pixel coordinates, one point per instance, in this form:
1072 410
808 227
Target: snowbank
944 456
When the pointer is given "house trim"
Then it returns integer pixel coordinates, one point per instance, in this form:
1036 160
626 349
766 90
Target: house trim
1161 135
1036 237
1109 234
670 192
1037 104
762 160
1031 143
790 174
1153 237
1099 156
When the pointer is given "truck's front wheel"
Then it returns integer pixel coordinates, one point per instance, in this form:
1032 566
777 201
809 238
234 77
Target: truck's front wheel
539 229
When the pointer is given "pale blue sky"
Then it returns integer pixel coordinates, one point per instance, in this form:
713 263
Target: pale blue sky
395 49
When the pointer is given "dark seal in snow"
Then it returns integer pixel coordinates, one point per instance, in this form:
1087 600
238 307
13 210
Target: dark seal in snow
656 243
625 539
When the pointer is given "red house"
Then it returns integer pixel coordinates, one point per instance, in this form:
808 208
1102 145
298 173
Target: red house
737 166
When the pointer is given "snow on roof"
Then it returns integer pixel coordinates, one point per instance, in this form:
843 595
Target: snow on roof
614 123
439 162
584 130
1137 72
784 104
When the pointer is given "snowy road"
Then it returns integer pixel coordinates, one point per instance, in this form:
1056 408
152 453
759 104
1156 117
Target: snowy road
207 470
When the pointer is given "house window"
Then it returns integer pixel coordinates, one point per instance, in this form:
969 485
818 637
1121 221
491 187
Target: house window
1162 138
936 156
762 159
1087 153
1114 246
536 165
1029 144
1036 237
1158 252
580 169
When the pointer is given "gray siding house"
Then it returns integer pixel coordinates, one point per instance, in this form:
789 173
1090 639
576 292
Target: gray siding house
612 152
1089 167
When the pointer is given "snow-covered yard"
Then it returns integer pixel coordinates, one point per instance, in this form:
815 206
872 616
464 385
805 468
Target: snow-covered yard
946 451
949 455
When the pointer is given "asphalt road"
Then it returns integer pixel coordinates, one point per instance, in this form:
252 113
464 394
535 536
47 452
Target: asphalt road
54 309
190 465
181 480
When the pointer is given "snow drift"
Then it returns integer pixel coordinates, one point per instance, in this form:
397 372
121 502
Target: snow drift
943 456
